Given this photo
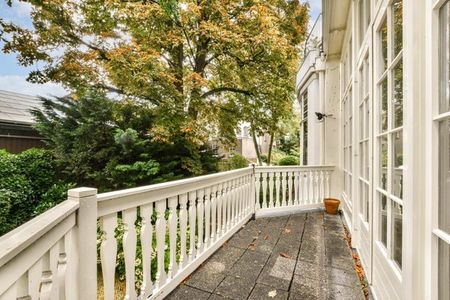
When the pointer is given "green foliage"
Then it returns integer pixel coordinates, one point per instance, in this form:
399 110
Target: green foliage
107 143
28 181
195 63
289 161
264 158
276 156
289 144
54 195
236 161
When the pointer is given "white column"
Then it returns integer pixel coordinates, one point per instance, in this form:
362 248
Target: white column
87 241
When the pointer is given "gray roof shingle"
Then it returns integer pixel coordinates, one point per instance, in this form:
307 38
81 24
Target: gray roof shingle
16 108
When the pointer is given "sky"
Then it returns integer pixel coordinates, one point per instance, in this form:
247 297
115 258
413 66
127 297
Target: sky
13 76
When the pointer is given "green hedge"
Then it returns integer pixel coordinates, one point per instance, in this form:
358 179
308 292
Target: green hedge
28 186
289 161
237 161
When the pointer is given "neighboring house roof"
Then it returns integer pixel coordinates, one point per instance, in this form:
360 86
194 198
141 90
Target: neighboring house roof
16 108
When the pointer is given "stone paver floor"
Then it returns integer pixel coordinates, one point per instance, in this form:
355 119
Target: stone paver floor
302 256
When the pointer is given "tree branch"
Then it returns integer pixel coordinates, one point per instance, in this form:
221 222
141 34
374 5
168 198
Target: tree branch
225 89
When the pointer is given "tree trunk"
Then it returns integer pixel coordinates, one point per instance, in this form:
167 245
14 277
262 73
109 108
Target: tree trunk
255 143
269 155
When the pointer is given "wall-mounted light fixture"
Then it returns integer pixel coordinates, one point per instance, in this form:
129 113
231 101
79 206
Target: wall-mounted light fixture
321 116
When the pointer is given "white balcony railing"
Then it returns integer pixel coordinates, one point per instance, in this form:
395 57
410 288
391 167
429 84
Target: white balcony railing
165 230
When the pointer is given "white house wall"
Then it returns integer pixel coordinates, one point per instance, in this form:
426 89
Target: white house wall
418 276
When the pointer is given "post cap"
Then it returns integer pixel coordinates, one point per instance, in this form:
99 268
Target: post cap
82 192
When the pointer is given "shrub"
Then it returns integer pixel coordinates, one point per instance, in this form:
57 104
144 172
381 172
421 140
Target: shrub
237 161
276 156
288 161
112 144
27 181
264 158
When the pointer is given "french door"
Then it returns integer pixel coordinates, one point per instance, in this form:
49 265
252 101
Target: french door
441 154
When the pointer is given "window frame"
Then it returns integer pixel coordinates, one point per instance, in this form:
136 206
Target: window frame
436 117
384 71
304 126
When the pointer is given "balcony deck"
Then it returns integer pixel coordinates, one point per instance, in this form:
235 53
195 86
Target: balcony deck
302 256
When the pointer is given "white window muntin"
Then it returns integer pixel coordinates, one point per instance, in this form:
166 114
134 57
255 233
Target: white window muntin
440 60
384 74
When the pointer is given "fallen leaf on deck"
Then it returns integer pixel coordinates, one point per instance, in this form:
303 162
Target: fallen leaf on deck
286 231
285 255
272 294
266 237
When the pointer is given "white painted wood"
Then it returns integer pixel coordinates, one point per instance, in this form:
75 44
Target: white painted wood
219 205
183 231
22 287
170 285
305 188
53 262
225 212
108 254
316 187
283 188
87 237
240 205
120 200
192 224
232 203
62 269
213 213
207 216
248 195
71 277
10 293
277 186
46 279
290 182
264 190
296 188
271 189
322 186
200 219
50 267
257 189
24 260
287 210
173 267
147 249
238 199
34 280
327 184
160 225
23 236
129 249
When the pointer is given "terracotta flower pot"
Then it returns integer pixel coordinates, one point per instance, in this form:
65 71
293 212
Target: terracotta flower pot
331 205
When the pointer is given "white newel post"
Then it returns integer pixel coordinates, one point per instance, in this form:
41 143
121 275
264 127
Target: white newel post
87 241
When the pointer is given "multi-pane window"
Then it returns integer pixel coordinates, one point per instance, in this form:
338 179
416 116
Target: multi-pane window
364 18
347 125
443 122
389 129
304 129
364 139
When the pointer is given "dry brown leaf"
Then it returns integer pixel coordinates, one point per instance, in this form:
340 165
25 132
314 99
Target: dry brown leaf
286 231
266 237
285 255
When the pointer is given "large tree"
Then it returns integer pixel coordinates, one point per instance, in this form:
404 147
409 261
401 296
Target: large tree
196 62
